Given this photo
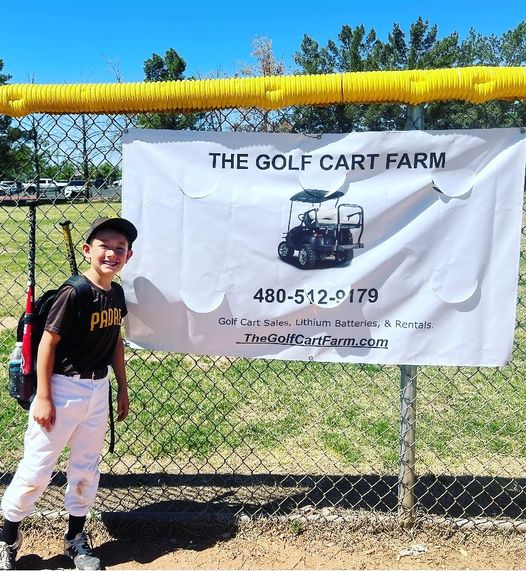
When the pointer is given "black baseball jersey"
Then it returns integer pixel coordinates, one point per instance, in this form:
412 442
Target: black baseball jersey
88 331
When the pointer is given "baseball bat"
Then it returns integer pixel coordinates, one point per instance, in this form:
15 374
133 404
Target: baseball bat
69 245
28 364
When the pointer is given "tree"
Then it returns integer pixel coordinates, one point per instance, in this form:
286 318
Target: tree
169 68
8 136
16 152
63 170
358 50
476 49
20 155
106 171
266 64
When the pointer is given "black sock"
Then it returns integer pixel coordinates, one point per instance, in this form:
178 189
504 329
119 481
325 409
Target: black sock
76 525
10 531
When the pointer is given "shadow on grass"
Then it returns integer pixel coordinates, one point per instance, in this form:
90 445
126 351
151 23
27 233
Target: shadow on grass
226 496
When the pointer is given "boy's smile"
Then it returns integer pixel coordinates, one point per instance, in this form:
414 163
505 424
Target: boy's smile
107 254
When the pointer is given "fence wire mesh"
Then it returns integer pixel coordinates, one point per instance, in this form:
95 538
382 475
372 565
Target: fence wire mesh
227 437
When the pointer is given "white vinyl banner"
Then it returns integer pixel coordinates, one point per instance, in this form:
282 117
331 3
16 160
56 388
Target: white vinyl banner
388 247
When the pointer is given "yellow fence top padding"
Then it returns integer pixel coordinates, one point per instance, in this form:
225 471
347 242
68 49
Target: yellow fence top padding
473 84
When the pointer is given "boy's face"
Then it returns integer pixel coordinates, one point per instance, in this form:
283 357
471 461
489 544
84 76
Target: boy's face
108 252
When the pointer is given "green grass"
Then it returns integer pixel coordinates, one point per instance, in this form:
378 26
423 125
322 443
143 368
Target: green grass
294 415
51 261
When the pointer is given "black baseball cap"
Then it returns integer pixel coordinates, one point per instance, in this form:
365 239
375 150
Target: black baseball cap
119 224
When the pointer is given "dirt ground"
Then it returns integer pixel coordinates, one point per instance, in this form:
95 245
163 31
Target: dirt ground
289 545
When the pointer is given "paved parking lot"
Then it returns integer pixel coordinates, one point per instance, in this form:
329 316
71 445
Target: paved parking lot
104 193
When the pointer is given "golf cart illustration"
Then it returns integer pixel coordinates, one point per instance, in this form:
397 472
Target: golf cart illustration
328 229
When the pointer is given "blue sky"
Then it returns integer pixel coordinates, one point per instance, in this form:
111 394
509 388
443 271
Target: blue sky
59 41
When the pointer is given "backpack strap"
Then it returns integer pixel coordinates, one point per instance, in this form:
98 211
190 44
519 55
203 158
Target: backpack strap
111 447
83 290
46 299
120 294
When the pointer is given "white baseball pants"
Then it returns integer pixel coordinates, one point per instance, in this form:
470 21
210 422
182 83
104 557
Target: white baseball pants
81 419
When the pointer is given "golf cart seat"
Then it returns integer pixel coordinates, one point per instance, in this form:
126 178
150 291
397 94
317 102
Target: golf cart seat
329 215
324 215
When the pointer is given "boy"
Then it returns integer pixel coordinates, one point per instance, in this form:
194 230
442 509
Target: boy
71 402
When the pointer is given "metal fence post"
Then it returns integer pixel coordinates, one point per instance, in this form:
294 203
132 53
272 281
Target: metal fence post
408 374
407 476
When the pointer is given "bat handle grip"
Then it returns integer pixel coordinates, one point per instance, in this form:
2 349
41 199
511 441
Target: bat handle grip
69 243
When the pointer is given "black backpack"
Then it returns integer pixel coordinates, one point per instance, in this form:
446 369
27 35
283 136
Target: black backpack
43 304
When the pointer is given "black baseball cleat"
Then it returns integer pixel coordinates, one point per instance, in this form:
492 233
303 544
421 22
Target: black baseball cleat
8 553
79 550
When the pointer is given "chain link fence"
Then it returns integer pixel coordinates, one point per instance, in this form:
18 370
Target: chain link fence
227 438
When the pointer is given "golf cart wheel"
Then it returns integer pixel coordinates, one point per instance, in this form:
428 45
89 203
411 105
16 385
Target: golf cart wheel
307 257
344 256
285 252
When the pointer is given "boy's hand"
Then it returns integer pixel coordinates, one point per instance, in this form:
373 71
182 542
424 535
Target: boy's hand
44 412
123 403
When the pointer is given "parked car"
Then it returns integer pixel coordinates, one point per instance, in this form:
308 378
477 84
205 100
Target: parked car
76 189
9 187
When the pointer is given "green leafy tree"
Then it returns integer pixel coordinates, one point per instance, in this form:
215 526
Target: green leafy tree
63 170
10 156
16 145
357 50
5 121
107 171
171 67
508 50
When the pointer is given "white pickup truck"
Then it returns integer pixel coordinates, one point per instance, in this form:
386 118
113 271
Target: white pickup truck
44 185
